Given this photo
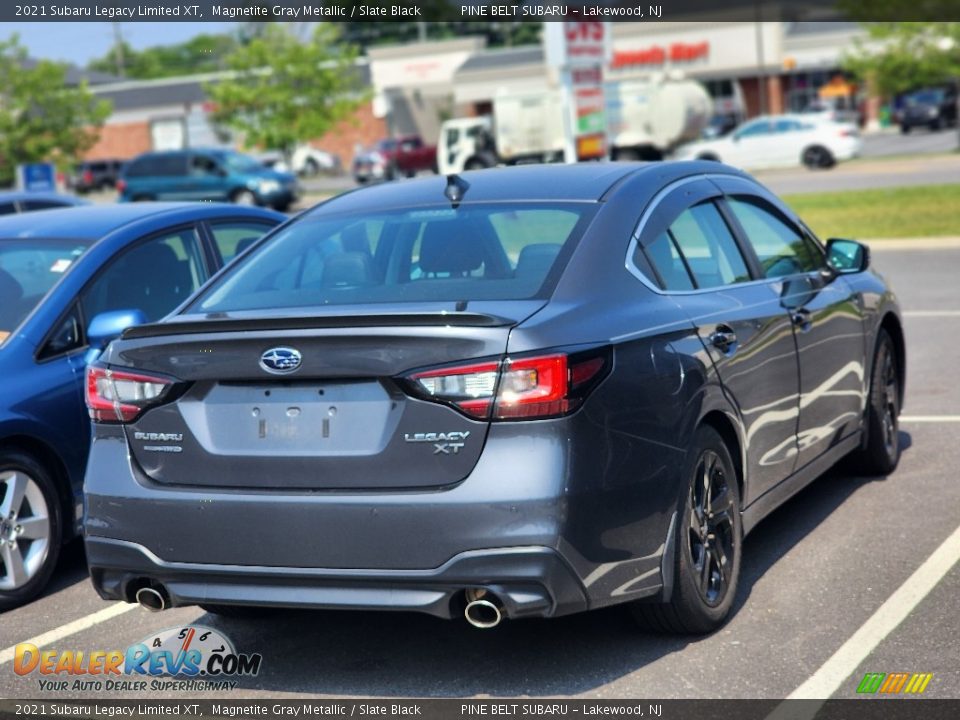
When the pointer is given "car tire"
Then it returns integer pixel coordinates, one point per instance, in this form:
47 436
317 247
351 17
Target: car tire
311 168
243 197
881 453
143 198
238 612
708 531
817 157
709 157
282 206
38 501
904 129
936 125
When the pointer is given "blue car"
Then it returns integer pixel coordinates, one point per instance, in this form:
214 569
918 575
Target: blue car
215 174
71 281
19 201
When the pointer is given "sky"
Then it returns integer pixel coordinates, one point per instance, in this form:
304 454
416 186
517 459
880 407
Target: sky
80 42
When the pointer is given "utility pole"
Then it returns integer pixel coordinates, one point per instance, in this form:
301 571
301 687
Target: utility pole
118 48
761 62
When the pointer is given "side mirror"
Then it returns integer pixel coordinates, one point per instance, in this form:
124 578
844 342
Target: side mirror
108 326
845 257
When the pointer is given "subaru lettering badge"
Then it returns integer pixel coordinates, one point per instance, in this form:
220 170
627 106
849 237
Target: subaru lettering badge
280 360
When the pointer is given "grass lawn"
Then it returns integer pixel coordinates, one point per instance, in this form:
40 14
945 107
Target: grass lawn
921 211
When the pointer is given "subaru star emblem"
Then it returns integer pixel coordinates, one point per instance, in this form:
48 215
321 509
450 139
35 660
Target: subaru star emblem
281 360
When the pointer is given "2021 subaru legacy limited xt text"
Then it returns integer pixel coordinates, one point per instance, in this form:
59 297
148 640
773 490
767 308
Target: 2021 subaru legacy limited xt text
521 392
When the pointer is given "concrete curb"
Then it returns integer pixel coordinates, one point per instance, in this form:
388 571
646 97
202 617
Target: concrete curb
924 243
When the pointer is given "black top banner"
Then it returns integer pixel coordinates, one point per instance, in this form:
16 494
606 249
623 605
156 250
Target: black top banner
199 11
500 709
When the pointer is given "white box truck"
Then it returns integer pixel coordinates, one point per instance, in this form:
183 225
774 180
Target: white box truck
645 120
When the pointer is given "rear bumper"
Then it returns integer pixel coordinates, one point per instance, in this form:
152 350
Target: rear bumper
532 522
529 581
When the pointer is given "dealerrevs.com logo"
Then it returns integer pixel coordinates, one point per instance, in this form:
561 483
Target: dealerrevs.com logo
194 657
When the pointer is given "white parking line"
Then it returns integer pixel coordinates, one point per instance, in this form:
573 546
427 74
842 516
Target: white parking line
70 628
930 418
931 313
835 671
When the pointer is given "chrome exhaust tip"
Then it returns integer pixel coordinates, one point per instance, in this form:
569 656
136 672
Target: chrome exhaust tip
483 614
151 599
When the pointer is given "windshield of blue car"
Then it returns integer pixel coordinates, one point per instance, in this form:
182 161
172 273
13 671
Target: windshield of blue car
502 251
29 267
240 163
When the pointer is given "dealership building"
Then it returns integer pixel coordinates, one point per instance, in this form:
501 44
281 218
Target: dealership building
748 67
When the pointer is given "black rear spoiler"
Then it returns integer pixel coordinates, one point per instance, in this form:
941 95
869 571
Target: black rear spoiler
214 324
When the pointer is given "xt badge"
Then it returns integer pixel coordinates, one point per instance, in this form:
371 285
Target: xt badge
443 443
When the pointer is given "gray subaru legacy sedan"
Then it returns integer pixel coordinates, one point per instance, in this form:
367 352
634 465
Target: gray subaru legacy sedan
509 393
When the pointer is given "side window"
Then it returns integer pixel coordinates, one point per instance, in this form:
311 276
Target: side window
232 237
202 165
154 277
781 248
755 129
7 208
30 205
66 337
708 247
664 257
168 165
142 167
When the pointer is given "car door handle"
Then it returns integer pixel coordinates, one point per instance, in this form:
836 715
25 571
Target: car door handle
723 338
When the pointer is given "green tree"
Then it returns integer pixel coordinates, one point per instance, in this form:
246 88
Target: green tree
899 56
41 119
200 54
286 90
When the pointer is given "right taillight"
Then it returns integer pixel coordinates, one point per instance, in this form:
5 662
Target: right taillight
120 396
518 388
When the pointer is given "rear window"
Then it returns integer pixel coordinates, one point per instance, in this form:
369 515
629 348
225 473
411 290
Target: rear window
438 254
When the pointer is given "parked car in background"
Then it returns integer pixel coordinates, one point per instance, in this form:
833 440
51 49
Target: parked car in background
838 110
932 108
214 174
306 161
18 201
518 392
93 175
392 158
780 141
70 281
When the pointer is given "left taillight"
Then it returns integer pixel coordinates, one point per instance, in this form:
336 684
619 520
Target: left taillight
521 388
119 396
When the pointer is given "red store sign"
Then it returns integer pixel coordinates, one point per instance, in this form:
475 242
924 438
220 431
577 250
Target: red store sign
659 55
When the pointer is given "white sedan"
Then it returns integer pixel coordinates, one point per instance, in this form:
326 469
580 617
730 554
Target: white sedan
779 141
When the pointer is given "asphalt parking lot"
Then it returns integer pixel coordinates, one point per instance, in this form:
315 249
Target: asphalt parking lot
817 575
